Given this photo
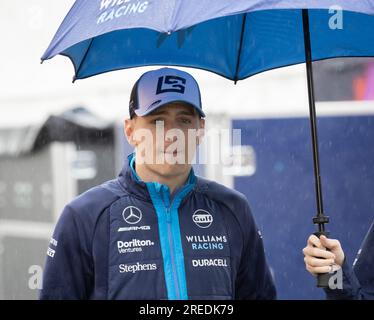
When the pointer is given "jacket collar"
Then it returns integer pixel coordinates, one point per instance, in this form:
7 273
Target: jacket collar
132 183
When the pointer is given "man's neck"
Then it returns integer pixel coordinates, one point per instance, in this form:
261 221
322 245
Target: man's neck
173 182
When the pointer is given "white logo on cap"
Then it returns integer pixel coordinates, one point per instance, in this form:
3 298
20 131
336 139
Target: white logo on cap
132 215
202 218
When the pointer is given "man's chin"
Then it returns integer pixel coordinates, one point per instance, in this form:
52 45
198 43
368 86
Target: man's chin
170 169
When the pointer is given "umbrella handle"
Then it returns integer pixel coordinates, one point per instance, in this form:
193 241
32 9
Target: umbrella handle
323 279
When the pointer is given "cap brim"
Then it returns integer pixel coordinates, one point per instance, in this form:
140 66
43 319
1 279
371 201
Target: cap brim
165 102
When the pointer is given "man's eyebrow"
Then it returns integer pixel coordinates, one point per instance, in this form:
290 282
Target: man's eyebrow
189 112
157 112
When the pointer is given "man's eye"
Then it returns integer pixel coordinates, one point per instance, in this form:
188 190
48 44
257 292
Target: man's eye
186 121
157 119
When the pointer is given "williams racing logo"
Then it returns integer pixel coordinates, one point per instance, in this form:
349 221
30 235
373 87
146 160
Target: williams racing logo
206 242
202 218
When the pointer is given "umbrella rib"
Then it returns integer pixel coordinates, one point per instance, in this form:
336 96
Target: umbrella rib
240 48
84 58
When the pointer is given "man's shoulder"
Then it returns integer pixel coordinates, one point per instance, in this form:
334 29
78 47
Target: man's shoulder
96 199
234 201
221 193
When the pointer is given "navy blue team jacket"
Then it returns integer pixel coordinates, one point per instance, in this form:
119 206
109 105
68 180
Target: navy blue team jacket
358 283
127 239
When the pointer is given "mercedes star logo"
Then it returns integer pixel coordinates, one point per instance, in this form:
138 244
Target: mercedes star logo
132 215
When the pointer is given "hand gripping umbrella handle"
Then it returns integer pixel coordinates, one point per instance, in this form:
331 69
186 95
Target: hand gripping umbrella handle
323 279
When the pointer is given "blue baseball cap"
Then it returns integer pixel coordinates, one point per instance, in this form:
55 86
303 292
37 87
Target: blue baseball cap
157 88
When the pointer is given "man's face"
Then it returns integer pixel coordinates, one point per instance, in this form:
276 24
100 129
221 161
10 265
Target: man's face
166 139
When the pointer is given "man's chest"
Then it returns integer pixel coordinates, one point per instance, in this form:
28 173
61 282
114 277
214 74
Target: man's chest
153 250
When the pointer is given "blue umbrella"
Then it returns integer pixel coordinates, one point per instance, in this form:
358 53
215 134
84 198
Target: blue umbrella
235 39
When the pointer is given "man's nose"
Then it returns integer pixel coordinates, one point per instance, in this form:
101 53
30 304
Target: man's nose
170 125
172 131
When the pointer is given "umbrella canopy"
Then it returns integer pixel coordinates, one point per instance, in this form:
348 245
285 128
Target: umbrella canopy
235 39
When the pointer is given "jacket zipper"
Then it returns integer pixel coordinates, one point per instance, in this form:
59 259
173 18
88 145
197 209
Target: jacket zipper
171 248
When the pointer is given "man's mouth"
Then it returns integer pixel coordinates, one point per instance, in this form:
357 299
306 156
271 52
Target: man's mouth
173 153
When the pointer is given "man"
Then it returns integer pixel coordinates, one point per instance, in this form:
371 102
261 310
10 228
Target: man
158 231
357 283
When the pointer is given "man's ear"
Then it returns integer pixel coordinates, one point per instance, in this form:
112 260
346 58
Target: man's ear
129 127
201 131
